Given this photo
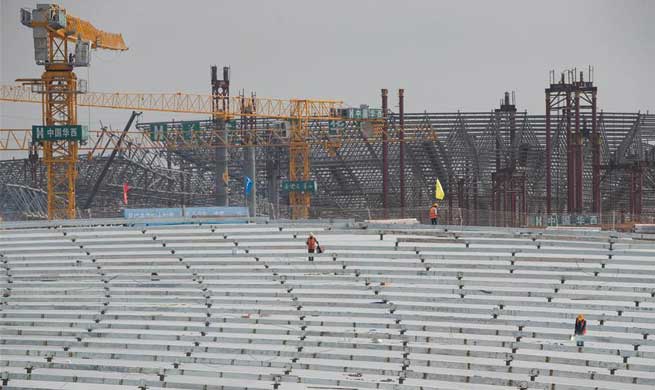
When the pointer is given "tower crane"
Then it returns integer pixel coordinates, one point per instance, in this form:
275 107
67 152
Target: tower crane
53 30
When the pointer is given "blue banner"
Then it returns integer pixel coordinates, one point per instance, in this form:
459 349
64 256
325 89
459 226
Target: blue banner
179 212
247 182
153 213
216 212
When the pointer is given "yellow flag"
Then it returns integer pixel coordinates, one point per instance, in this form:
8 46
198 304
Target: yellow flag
438 190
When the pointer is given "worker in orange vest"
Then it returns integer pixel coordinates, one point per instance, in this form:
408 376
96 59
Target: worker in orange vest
433 214
580 330
312 246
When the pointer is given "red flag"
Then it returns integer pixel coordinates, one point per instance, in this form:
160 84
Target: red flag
126 188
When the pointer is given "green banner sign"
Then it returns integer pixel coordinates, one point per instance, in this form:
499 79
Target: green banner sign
59 133
336 127
188 128
299 186
159 130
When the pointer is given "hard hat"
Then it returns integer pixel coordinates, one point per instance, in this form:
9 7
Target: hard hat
580 317
311 234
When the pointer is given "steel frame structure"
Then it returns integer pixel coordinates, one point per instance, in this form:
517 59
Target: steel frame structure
459 148
566 103
496 167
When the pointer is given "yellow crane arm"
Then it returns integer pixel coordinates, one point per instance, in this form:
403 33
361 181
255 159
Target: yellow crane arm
59 23
13 140
188 103
76 27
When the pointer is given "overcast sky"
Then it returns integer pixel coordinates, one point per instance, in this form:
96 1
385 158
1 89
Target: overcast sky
448 55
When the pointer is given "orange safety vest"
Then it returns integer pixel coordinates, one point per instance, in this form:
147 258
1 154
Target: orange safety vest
311 243
433 212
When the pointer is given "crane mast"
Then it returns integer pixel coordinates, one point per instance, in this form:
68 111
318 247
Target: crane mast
299 158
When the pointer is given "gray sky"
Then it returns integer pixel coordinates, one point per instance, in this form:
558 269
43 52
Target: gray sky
448 55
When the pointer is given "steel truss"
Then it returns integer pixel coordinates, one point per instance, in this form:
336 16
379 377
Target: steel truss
487 161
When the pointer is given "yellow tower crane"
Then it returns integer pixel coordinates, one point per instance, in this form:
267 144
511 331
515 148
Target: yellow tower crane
53 29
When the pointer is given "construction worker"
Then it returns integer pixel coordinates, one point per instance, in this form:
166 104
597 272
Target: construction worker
312 246
433 214
580 330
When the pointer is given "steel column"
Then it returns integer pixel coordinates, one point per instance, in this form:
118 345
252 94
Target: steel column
401 136
451 185
220 106
460 199
570 157
579 167
385 155
549 151
492 203
524 202
596 197
475 203
636 191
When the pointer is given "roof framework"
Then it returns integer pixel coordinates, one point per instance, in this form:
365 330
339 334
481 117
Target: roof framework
462 149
